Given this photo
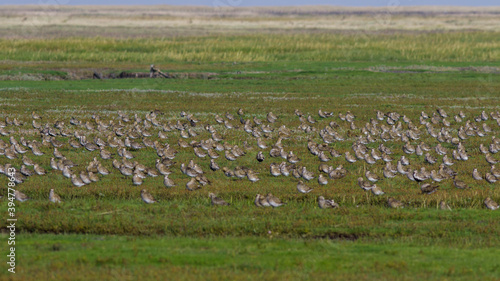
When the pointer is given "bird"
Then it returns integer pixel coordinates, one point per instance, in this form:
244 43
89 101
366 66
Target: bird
168 182
85 177
447 161
421 175
36 151
338 173
199 152
212 154
490 178
202 179
444 206
393 203
349 157
192 185
292 158
436 176
10 153
102 170
76 181
39 170
302 188
57 153
162 168
490 159
430 159
239 172
371 176
377 190
460 184
274 201
495 171
66 171
53 197
490 204
388 173
252 176
229 155
105 154
27 161
74 143
476 175
322 179
322 157
275 169
213 165
428 188
91 146
263 201
26 171
325 168
257 201
20 196
307 175
228 172
35 115
364 184
284 169
261 144
146 197
326 204
136 179
216 200
93 177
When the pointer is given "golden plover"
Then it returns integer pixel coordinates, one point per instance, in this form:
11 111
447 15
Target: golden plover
146 197
216 200
490 204
20 196
53 197
326 204
302 188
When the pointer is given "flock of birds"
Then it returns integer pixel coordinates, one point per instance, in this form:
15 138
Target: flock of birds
119 138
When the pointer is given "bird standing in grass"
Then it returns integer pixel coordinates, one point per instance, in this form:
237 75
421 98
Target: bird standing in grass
460 184
303 188
274 201
376 190
20 196
371 176
428 188
393 203
490 204
444 206
257 201
192 185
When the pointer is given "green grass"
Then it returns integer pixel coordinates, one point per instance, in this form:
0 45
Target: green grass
68 257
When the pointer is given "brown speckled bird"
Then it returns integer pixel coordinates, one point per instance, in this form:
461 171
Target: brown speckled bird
53 197
393 203
490 204
326 204
147 198
216 200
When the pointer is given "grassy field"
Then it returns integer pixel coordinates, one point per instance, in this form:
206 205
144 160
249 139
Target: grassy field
104 230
